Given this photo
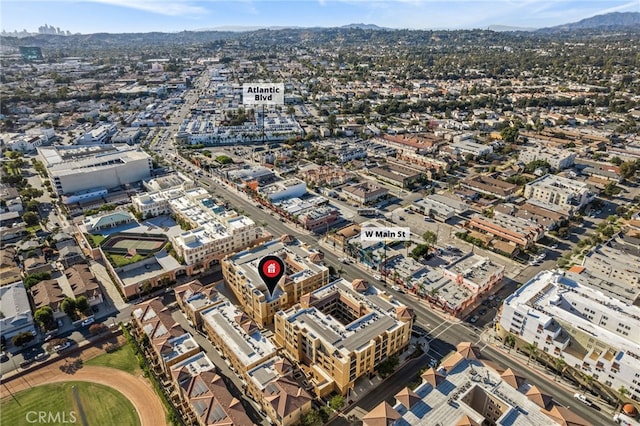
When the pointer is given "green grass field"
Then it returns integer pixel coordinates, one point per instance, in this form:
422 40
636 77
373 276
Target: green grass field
122 359
102 405
118 260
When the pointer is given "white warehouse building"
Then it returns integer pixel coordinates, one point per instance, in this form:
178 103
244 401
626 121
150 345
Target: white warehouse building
75 169
592 332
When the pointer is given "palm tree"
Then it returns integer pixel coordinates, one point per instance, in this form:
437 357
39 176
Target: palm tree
588 381
560 365
622 393
532 348
510 341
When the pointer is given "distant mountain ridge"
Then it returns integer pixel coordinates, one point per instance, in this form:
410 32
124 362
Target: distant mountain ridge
609 21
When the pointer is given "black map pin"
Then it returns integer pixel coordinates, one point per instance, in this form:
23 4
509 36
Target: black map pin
271 269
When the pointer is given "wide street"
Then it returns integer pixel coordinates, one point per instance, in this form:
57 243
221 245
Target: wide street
444 333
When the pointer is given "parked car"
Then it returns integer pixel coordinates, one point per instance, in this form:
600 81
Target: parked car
88 321
474 319
62 347
42 356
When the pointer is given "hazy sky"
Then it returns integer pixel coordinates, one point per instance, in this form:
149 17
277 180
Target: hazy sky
92 16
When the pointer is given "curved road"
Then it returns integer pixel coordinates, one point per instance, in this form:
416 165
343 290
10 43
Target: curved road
135 388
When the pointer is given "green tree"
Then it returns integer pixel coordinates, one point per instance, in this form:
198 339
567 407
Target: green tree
44 317
23 338
388 366
82 304
510 341
336 402
30 218
311 418
622 394
331 122
509 134
560 366
533 351
430 238
628 169
68 306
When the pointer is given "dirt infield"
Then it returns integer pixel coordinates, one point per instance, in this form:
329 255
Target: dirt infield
135 388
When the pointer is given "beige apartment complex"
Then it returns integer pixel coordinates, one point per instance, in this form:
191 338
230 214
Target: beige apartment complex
343 331
304 273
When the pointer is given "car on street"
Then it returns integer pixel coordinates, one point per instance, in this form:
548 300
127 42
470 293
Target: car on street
580 397
62 347
377 277
42 356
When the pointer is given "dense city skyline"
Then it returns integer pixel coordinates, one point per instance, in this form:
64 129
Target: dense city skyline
180 15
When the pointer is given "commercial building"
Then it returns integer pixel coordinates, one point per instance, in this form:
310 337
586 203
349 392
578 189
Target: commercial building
464 391
274 127
272 384
304 273
593 332
343 331
365 193
319 219
282 190
458 286
563 193
16 311
558 159
79 168
99 135
521 232
397 174
475 149
440 207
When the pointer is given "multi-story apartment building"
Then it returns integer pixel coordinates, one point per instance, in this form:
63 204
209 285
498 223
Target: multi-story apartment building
558 159
75 169
593 332
365 193
237 337
566 194
272 384
304 273
343 331
491 186
521 232
616 262
193 298
464 391
216 231
169 342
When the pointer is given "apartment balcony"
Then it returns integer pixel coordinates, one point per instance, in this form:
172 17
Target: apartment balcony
553 328
562 339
